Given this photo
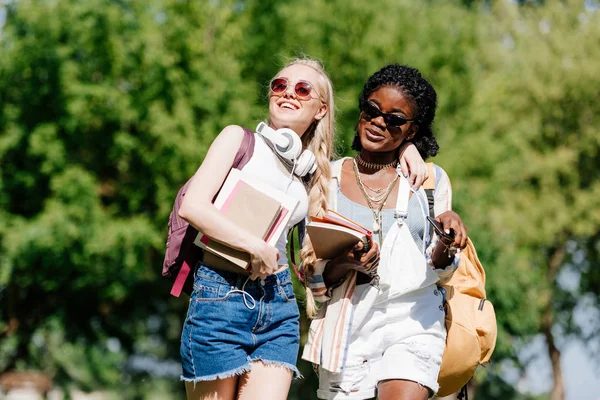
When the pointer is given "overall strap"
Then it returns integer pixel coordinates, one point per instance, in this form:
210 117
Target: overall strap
336 167
401 212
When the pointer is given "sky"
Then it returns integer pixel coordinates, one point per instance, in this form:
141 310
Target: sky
581 372
580 361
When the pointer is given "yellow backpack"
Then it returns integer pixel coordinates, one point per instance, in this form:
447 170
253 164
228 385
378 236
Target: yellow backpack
470 324
470 317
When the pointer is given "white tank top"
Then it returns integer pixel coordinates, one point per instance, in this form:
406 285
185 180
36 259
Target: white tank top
267 167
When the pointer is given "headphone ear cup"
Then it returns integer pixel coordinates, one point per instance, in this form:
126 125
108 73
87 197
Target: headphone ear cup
285 141
305 164
294 147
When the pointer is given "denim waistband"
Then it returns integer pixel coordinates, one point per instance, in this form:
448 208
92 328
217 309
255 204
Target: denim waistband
282 277
241 282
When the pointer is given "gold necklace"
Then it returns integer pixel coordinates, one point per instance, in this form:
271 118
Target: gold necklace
377 218
379 190
378 199
375 166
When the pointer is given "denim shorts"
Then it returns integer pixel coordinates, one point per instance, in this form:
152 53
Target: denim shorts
233 321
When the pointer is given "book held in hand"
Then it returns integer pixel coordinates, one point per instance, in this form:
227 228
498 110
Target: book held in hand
253 206
334 234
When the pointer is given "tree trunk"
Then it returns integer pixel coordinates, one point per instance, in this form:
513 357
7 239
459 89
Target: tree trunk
558 389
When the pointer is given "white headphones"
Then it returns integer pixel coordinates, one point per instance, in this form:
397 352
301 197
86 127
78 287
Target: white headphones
288 145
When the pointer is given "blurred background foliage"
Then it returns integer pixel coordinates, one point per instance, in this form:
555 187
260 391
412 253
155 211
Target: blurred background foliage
107 107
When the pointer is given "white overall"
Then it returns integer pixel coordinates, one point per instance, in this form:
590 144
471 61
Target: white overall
403 266
396 331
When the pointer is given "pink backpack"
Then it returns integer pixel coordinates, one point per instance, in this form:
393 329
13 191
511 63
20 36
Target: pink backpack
181 254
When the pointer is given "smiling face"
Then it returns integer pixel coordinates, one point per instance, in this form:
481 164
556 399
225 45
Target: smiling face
375 135
287 110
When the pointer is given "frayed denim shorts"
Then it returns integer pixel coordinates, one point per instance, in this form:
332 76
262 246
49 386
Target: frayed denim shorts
233 321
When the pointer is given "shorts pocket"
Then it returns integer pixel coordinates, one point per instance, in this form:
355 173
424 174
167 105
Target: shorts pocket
207 293
210 289
351 379
287 292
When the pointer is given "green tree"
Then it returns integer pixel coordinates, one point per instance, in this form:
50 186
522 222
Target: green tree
106 108
535 117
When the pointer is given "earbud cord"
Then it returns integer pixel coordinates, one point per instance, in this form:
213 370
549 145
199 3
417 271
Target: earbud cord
244 294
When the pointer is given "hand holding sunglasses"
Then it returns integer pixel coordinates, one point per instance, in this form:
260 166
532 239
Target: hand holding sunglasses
458 231
437 227
371 111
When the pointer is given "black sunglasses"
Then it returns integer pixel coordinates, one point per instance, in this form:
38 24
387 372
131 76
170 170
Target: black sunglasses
392 120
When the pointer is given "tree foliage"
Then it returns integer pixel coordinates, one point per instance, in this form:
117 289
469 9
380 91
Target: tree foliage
107 107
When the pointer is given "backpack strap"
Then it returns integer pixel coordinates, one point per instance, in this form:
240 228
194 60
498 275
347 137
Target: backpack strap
194 253
244 153
301 233
182 283
430 204
463 394
429 187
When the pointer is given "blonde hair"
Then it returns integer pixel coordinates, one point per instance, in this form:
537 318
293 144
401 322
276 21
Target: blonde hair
318 139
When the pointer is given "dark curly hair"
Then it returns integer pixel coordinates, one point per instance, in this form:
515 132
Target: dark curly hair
414 85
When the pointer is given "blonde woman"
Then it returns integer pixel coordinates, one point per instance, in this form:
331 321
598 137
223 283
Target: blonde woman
241 337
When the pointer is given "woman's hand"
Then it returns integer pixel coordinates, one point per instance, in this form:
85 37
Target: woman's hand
412 165
352 259
365 262
450 221
263 260
443 252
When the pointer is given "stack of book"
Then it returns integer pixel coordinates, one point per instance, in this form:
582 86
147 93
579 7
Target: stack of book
255 207
334 233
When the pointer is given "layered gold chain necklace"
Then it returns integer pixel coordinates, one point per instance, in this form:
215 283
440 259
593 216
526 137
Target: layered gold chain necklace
377 201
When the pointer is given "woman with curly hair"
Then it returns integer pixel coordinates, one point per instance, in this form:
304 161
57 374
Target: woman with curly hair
385 336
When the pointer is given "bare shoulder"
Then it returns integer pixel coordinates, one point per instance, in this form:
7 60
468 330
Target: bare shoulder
231 134
217 163
226 144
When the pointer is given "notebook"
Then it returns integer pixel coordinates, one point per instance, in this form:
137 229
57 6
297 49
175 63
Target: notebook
334 233
253 206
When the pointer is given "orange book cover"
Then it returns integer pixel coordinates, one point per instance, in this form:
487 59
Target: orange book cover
335 233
